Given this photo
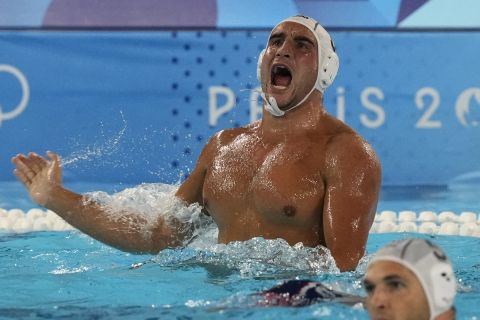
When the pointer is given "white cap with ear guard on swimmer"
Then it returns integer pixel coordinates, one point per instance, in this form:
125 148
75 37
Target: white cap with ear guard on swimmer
328 62
431 267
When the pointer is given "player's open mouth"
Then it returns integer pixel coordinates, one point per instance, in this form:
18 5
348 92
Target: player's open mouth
280 76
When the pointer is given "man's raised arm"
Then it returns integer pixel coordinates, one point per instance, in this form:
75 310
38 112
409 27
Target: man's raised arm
129 231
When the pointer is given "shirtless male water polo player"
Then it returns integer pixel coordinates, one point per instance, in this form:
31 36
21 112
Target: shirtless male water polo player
297 174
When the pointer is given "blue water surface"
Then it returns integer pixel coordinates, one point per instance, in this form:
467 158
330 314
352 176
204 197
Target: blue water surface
54 275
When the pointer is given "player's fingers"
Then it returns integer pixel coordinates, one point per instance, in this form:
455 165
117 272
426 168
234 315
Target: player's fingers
39 162
54 158
23 167
20 176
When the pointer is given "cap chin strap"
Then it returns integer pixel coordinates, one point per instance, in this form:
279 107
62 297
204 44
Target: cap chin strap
272 107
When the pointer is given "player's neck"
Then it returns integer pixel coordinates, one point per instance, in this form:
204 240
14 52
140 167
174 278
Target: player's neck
298 122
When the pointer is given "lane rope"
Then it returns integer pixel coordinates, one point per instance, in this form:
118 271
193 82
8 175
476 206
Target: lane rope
466 223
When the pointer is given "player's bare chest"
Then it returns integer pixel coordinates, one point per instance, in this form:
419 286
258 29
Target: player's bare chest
243 167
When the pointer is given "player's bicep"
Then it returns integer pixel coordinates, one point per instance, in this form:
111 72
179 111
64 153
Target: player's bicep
352 190
191 189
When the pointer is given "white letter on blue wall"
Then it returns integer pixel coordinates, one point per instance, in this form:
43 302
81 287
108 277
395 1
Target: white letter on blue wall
341 104
214 110
377 109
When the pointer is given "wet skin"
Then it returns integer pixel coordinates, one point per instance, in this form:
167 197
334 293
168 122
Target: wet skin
394 293
304 177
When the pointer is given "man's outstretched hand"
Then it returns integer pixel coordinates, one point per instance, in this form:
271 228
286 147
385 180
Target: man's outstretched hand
39 175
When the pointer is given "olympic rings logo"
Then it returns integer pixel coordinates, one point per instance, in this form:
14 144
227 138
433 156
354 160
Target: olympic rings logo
25 93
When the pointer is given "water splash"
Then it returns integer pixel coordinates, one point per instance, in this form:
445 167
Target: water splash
108 147
151 201
256 257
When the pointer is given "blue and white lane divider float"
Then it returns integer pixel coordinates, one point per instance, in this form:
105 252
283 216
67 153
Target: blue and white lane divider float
466 223
428 222
18 221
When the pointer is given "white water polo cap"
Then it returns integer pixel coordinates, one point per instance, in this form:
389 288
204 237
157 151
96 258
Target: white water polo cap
328 62
430 265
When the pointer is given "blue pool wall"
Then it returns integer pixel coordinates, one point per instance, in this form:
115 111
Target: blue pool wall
137 105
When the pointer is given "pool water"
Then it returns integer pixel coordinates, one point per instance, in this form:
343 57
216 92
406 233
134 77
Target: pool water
53 275
57 275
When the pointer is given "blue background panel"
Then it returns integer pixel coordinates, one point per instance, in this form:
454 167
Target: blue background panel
139 106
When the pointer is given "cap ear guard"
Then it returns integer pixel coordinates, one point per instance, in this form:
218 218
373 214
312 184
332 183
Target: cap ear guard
328 70
259 66
443 286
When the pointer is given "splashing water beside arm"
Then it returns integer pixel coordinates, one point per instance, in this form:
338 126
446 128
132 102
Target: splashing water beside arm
153 212
128 228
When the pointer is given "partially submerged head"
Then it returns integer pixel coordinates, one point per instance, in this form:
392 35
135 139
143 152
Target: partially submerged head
299 58
410 279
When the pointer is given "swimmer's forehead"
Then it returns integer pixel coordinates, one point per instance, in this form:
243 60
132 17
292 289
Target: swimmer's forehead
384 269
296 30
